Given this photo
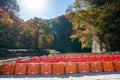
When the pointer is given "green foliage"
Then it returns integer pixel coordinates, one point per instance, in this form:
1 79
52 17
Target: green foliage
42 34
62 30
34 33
99 18
108 25
83 23
6 39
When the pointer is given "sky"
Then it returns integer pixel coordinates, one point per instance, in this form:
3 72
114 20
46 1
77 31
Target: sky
45 9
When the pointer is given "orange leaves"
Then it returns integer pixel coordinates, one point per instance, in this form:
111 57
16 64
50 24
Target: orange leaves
3 13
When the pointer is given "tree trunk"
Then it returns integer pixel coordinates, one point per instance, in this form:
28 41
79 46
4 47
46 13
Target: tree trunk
95 44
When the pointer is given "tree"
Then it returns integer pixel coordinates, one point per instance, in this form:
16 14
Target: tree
41 33
99 18
6 39
82 22
62 29
7 22
9 5
108 24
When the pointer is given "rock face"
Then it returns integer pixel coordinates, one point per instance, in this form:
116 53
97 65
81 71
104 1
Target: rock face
95 45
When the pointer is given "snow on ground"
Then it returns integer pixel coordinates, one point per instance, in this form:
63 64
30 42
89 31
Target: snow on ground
90 76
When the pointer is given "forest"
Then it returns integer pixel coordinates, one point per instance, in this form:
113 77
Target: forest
84 21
